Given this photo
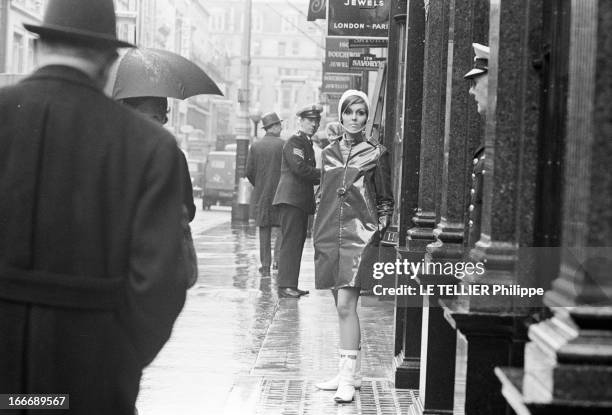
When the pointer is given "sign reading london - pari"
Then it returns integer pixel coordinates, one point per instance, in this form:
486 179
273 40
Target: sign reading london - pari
358 18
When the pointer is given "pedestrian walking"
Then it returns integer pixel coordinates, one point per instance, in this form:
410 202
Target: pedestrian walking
263 171
295 199
92 275
479 80
156 109
356 204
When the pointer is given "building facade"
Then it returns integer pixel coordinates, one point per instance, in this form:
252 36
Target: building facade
285 58
16 43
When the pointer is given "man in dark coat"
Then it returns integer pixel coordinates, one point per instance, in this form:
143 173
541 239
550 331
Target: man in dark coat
295 199
91 269
263 171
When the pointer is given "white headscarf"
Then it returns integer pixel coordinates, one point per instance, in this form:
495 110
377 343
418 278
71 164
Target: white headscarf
351 93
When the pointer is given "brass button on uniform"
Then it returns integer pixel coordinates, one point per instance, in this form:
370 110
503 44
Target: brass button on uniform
473 176
472 191
341 191
471 208
471 223
475 161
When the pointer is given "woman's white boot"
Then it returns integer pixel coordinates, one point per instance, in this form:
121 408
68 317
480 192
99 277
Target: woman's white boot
332 384
346 377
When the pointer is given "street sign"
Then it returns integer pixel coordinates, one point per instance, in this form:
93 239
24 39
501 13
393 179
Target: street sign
337 55
365 62
358 18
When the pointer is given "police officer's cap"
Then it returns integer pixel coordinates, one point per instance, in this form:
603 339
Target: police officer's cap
310 111
481 61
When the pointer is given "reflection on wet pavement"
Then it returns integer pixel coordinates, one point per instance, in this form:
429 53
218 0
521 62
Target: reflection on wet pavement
219 332
237 349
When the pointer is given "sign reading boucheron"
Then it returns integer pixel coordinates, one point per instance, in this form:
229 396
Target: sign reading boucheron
337 55
358 18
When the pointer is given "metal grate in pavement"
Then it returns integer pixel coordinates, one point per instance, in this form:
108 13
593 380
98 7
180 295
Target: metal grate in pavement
300 397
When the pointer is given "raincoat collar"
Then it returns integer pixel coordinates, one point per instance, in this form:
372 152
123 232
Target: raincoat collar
64 73
357 150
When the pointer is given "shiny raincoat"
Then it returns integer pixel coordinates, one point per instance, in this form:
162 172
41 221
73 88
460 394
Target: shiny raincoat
353 195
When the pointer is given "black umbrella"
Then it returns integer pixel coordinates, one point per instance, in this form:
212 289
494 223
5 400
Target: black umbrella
158 73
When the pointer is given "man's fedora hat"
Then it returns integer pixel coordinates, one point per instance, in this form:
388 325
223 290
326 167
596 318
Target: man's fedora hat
481 61
269 119
87 22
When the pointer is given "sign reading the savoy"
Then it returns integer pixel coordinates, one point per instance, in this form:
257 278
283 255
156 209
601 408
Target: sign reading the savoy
358 18
366 62
337 55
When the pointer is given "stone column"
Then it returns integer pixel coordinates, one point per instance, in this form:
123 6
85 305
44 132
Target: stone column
494 325
568 363
437 338
463 134
409 315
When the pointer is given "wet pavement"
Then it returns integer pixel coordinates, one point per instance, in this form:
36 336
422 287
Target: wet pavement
237 349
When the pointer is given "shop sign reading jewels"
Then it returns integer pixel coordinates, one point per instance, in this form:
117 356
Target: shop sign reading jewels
358 18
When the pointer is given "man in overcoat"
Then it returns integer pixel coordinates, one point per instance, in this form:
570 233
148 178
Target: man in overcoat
91 270
263 171
295 199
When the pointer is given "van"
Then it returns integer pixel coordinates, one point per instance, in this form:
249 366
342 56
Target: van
219 178
196 171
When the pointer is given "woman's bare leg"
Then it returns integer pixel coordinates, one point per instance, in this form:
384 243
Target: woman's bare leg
346 305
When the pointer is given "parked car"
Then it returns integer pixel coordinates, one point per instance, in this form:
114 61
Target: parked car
219 178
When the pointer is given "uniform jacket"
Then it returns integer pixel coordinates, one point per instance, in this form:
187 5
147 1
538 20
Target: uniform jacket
298 174
263 171
475 207
353 194
91 269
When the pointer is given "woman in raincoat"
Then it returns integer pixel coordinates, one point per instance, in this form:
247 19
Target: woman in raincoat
354 208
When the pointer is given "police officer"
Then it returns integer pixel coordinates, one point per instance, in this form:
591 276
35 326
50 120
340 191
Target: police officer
479 80
295 198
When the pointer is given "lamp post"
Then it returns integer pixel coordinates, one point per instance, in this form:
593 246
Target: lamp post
255 116
240 210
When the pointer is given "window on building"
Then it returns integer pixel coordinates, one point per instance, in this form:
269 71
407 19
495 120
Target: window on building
295 47
256 48
282 48
287 95
231 20
217 20
18 53
257 23
30 60
255 94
